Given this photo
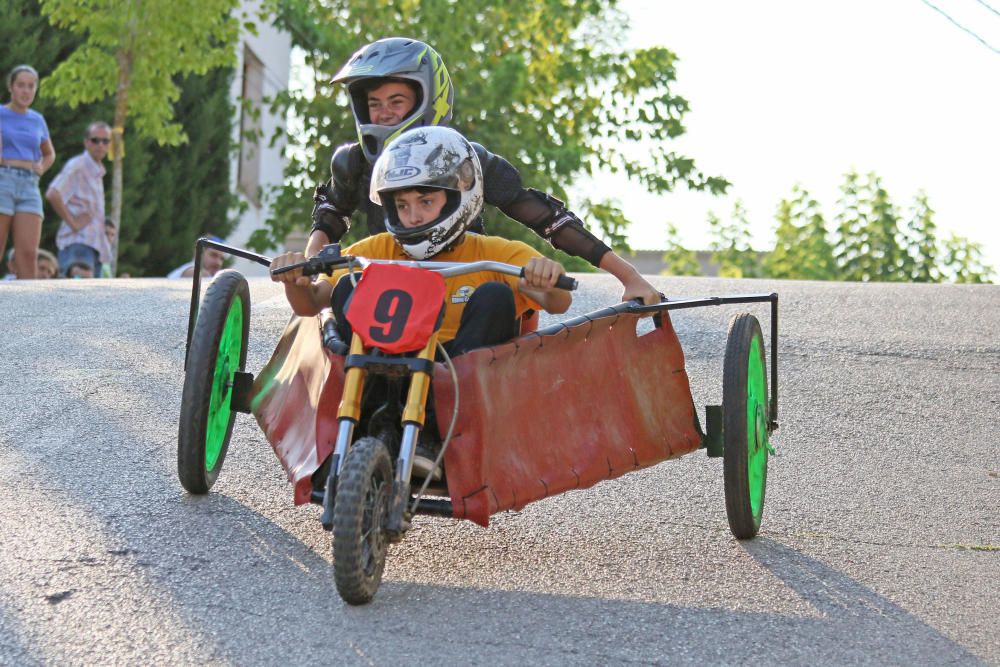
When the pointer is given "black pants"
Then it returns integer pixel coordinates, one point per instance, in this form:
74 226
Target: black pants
488 317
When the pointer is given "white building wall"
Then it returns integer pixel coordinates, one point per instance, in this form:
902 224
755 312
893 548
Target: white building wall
273 48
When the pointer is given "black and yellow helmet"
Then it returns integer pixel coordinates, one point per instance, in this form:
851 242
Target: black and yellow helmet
402 59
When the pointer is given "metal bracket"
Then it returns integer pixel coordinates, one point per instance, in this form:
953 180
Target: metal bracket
242 388
713 441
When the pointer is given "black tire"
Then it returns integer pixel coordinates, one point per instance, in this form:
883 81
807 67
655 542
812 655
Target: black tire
218 350
364 493
745 421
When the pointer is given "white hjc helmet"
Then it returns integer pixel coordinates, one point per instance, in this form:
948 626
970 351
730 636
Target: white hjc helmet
429 157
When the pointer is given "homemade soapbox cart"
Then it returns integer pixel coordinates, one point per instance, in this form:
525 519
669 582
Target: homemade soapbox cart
556 409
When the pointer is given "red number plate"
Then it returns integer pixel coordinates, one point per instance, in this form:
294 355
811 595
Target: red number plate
396 308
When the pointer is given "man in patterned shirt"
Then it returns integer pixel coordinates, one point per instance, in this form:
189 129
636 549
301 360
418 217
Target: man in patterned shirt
77 195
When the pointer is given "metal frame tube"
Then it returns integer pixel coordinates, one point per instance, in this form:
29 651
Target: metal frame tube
199 245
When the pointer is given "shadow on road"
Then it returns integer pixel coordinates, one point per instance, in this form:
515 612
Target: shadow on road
227 581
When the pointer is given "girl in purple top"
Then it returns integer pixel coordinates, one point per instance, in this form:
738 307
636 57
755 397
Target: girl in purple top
25 154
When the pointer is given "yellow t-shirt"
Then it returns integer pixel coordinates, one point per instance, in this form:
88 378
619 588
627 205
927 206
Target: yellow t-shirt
458 289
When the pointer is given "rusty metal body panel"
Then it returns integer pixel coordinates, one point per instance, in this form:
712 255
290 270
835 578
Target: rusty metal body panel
295 399
538 416
548 413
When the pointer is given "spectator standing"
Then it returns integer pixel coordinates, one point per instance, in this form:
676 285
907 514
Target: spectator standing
25 154
77 195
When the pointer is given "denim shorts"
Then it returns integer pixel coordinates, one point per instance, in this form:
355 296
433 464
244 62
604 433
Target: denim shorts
78 253
19 191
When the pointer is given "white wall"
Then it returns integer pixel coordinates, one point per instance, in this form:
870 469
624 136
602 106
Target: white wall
273 48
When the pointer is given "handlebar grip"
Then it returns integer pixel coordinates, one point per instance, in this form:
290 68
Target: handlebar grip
314 265
562 282
286 269
566 283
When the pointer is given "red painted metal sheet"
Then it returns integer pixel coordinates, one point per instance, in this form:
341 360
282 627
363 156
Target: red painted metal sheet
538 416
546 414
295 399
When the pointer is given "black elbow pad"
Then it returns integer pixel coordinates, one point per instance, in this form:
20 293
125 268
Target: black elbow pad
565 231
560 215
346 167
326 217
334 201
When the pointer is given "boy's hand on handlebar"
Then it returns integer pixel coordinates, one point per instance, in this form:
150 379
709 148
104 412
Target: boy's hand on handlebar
639 288
541 273
293 277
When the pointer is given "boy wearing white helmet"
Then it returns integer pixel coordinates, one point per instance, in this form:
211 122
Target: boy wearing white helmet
397 84
429 183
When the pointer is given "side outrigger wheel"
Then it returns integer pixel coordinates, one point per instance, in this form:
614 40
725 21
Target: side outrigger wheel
218 350
745 425
360 544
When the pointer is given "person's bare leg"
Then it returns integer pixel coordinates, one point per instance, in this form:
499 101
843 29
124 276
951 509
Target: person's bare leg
4 230
27 234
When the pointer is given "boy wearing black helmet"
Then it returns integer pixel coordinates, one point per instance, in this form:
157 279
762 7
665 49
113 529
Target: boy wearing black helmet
382 78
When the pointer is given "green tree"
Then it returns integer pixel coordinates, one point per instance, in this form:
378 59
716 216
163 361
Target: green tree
181 192
679 260
923 242
889 260
730 245
802 250
962 261
869 246
176 192
851 230
543 83
133 49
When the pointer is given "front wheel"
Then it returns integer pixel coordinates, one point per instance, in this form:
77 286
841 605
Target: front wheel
364 492
218 351
745 426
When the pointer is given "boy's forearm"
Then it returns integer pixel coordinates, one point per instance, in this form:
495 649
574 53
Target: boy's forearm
305 301
554 301
55 198
317 239
618 267
636 287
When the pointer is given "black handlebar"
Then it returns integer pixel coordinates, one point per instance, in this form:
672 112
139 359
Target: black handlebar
325 261
315 265
329 259
563 282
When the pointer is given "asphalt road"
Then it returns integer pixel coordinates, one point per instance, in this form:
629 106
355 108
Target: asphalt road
880 542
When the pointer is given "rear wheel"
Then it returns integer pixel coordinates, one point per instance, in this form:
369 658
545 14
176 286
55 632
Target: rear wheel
364 492
218 350
745 422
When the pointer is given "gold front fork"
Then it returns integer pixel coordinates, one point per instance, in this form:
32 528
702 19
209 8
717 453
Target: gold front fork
415 411
354 384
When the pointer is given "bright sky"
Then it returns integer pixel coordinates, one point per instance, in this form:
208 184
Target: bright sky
785 92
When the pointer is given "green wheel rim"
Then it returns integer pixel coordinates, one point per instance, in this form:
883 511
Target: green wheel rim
757 444
226 364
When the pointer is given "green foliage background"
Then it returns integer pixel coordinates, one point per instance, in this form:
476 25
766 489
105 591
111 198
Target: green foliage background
171 195
543 83
868 239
